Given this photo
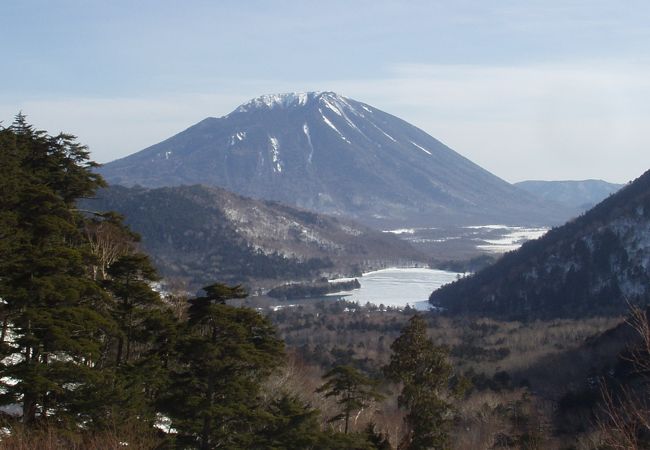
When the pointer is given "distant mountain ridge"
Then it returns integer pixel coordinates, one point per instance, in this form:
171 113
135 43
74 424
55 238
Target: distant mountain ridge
580 195
331 154
202 234
592 265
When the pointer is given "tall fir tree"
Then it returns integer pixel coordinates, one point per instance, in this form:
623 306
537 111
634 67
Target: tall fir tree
352 390
52 310
424 371
223 357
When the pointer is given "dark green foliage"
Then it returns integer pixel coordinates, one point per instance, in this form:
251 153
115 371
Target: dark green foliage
352 389
224 354
378 440
316 289
292 425
87 337
54 320
424 372
130 283
465 266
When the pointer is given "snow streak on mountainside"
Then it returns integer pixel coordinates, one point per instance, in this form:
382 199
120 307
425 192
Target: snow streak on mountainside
332 154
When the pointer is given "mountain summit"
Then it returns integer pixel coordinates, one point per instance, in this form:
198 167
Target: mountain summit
332 154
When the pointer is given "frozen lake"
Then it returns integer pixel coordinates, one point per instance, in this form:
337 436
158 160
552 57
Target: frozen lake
398 287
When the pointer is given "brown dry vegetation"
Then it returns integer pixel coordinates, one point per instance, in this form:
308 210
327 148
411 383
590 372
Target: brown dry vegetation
519 371
133 437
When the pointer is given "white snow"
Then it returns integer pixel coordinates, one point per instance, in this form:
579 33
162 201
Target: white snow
398 287
512 240
279 307
164 423
421 148
331 125
401 231
275 154
366 108
237 137
491 227
331 107
340 111
167 155
305 129
278 100
385 134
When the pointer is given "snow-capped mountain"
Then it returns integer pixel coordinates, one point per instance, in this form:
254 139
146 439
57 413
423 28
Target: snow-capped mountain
332 154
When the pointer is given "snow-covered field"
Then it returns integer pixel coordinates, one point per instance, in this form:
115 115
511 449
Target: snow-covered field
511 239
452 242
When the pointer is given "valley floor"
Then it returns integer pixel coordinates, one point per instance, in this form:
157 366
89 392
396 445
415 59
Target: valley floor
517 382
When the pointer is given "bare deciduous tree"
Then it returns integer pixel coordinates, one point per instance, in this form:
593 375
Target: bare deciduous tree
109 239
625 421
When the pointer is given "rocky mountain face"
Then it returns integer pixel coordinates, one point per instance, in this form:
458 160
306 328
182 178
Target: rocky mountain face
579 195
331 154
202 235
594 264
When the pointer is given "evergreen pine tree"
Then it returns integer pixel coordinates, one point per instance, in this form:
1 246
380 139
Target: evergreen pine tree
223 356
52 310
352 389
424 371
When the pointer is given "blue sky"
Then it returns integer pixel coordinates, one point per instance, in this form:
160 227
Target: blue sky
528 90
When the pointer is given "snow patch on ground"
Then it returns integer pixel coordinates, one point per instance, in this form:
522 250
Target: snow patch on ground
329 105
277 100
331 125
490 227
237 137
275 154
341 113
512 240
401 231
421 148
383 132
164 424
305 129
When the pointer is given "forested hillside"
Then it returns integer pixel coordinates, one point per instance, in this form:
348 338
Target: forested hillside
200 233
579 195
595 264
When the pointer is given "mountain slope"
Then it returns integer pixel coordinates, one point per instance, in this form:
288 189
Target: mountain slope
580 195
592 265
205 234
331 154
